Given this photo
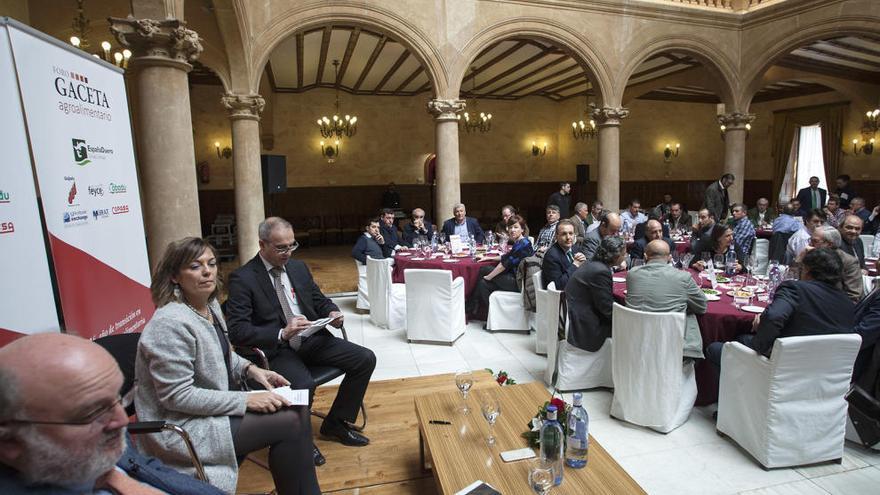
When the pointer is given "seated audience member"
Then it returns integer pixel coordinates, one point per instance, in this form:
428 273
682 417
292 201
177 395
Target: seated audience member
593 219
796 208
834 212
761 215
851 280
561 198
503 275
663 208
418 227
866 372
589 296
272 299
609 226
678 219
388 229
632 216
187 373
653 231
62 424
547 235
743 230
870 218
844 191
719 243
872 225
800 239
703 227
563 258
369 244
857 206
851 243
813 305
640 228
507 211
658 287
786 221
579 220
462 225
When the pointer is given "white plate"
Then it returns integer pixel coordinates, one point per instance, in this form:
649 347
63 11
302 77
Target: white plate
753 309
450 261
417 259
760 277
753 289
404 254
867 258
710 297
618 279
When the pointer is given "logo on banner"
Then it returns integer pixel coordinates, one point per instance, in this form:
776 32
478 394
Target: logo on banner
78 217
4 196
6 228
101 213
116 188
97 190
82 151
119 210
71 195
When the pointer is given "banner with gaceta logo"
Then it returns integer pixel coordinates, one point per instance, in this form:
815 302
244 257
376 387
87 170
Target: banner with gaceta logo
26 302
77 117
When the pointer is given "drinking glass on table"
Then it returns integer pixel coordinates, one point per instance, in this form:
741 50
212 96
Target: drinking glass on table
442 238
464 380
719 261
541 476
491 409
706 257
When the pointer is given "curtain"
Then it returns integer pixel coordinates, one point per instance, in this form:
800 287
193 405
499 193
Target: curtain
786 124
788 188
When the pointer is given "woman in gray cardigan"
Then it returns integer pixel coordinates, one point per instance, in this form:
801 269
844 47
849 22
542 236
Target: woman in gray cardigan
187 373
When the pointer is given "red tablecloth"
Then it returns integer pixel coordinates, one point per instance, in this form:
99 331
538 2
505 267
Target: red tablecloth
764 233
721 322
466 268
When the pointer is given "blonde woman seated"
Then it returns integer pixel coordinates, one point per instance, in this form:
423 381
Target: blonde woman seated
187 373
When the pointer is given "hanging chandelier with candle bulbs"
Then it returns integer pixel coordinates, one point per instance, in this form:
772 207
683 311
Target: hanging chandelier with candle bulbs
337 127
473 121
581 129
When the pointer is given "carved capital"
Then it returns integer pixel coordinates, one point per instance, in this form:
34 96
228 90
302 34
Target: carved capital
446 109
736 120
157 42
608 116
243 106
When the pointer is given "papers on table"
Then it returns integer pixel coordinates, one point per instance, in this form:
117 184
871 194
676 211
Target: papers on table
478 487
456 244
296 397
711 268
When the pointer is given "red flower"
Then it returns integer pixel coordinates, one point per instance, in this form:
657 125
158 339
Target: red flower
502 377
559 403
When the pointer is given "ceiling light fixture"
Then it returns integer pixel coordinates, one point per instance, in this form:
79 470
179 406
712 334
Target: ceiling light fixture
337 127
474 122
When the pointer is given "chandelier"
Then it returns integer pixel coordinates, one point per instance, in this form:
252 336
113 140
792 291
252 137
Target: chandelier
80 39
584 130
871 124
338 127
475 122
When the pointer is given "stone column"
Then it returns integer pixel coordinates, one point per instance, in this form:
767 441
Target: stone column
446 144
244 112
736 127
161 52
608 184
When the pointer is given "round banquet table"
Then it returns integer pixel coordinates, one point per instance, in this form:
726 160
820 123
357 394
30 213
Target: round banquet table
722 322
465 268
681 247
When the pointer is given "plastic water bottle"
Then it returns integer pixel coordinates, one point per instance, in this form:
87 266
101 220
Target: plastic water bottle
773 280
551 444
434 243
577 444
730 262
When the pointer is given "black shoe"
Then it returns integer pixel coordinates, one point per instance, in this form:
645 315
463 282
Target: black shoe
343 435
319 457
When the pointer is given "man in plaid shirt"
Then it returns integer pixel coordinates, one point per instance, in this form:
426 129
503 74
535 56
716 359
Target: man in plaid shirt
547 236
743 230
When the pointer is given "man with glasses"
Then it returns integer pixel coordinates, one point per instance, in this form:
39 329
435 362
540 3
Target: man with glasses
268 298
62 425
418 227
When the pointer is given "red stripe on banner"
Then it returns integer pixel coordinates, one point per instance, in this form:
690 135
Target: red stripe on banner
96 299
7 336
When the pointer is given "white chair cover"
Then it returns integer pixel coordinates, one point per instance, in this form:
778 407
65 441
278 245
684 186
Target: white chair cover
507 313
788 410
434 306
546 314
387 300
868 243
363 300
652 387
762 254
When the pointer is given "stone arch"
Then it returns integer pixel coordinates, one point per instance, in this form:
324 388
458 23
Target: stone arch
797 37
367 16
720 67
582 49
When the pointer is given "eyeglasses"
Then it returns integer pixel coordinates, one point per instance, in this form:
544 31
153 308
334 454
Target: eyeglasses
286 249
101 415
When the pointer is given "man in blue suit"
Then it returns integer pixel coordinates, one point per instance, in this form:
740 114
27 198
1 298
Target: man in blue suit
463 225
62 425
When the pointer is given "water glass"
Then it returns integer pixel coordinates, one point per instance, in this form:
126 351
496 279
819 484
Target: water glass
464 380
541 476
719 261
491 409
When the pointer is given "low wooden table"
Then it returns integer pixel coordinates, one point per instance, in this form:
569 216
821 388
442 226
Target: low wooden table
460 455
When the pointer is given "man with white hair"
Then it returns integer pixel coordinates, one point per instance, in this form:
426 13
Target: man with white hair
62 425
826 236
462 225
418 227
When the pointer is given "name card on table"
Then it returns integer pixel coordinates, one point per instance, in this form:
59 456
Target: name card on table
711 267
456 244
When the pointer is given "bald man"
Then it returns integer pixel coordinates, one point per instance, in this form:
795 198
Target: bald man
609 225
659 288
62 425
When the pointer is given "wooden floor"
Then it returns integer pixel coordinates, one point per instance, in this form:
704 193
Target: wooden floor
390 463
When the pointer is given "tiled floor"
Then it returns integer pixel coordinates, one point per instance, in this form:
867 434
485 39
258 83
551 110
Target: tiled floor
690 460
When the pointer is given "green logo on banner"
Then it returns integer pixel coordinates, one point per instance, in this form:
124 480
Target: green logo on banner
80 154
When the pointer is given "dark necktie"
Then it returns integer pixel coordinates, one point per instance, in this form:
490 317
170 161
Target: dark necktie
276 272
569 256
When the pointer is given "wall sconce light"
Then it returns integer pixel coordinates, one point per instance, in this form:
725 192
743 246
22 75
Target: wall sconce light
724 130
669 154
866 148
330 152
222 153
536 151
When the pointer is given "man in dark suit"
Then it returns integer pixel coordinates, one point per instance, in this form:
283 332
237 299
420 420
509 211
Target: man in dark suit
851 243
389 233
563 257
579 220
679 219
867 324
272 299
463 225
62 425
589 297
369 244
609 226
844 191
716 198
761 214
418 227
653 232
812 197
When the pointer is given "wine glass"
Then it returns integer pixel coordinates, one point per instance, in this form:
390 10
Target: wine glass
491 409
464 380
442 237
541 476
719 261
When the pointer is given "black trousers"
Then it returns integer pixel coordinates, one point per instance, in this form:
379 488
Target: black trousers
324 349
505 281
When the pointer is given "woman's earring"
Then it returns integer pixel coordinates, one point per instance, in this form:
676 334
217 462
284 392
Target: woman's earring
177 291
